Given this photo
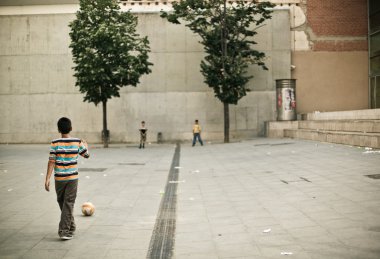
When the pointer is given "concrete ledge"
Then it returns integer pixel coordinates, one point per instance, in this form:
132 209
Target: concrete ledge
364 126
275 129
370 114
348 138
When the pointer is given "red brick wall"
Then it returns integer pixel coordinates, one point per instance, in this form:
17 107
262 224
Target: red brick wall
339 24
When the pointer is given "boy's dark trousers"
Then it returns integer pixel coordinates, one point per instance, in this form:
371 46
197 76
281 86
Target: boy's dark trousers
197 136
66 195
142 140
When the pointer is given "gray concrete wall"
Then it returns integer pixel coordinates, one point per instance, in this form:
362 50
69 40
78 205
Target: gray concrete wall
37 86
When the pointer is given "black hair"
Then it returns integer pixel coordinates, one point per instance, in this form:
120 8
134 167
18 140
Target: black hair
64 125
196 120
143 122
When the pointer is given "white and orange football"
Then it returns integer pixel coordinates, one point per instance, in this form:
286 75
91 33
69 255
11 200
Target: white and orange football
88 208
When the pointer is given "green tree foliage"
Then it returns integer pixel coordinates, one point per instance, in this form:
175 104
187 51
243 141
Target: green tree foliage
227 33
107 52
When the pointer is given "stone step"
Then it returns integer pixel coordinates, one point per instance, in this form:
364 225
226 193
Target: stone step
364 126
368 114
356 128
275 129
339 137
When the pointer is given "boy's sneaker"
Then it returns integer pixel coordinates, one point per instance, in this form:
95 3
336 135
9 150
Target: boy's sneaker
67 237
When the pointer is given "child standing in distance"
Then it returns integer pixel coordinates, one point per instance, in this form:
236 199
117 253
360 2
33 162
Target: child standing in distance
64 153
197 133
143 131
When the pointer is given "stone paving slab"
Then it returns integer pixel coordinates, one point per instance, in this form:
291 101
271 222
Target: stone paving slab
313 196
313 199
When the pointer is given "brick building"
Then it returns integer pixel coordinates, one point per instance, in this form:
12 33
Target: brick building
374 52
330 55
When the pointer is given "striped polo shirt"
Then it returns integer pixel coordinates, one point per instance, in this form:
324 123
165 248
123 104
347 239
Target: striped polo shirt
65 152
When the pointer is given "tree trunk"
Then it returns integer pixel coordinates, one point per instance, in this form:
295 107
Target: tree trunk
224 72
226 123
105 133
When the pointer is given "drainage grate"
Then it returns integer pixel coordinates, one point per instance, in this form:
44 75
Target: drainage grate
303 179
374 229
275 144
373 176
280 144
162 241
92 169
132 163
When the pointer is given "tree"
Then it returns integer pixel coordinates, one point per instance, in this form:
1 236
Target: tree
107 52
227 36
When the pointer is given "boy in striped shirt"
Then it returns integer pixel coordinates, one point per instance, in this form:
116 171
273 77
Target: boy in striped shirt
64 153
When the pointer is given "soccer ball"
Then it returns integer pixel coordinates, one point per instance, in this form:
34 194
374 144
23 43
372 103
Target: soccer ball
88 208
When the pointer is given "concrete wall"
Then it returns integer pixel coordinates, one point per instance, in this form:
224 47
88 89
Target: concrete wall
331 81
37 86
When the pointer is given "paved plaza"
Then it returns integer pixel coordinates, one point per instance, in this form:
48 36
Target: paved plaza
262 198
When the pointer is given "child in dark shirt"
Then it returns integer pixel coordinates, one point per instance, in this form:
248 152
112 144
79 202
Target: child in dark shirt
143 131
